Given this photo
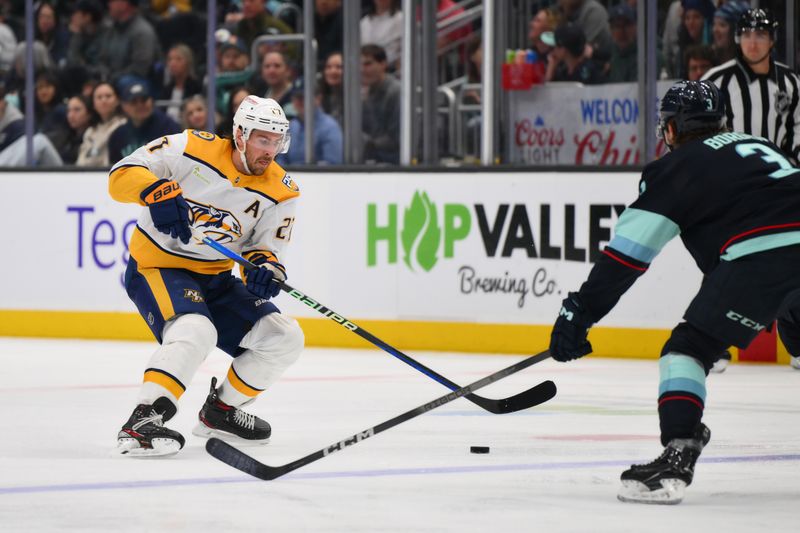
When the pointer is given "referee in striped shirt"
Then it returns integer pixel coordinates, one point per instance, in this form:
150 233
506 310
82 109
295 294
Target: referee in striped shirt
761 99
762 95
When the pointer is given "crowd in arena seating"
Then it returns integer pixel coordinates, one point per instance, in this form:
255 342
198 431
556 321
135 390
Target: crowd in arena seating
111 75
582 40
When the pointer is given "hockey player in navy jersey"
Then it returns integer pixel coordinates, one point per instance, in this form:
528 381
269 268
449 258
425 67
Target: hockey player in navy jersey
734 199
234 192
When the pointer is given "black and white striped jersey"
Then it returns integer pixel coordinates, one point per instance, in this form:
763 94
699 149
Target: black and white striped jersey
766 105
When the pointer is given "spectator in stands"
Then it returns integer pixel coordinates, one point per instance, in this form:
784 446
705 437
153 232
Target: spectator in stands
257 20
194 113
699 59
669 37
381 107
183 81
623 65
233 66
446 9
695 29
725 19
50 113
176 22
327 136
274 80
328 27
592 18
289 11
237 95
383 25
332 87
87 35
80 116
571 62
51 33
13 145
15 81
87 89
545 20
94 148
131 46
8 43
144 124
233 56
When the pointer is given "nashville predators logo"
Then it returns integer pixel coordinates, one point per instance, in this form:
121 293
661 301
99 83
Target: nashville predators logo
217 224
291 185
193 295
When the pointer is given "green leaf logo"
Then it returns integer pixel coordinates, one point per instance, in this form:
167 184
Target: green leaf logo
421 232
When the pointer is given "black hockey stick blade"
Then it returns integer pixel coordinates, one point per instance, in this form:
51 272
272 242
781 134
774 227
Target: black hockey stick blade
526 399
241 461
532 397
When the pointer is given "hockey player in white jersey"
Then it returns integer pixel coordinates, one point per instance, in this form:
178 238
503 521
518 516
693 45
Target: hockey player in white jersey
234 192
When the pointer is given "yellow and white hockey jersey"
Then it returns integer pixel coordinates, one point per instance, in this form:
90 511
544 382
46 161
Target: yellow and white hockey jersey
249 214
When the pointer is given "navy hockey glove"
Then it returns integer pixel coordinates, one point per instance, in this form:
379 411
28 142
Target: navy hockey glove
262 282
168 209
568 339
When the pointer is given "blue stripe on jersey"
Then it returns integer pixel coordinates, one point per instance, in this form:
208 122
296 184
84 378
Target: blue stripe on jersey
760 244
678 372
642 234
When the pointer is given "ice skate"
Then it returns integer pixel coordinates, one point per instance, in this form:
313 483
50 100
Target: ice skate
794 362
144 434
226 422
664 480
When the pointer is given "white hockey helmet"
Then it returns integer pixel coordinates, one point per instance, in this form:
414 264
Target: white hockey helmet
255 113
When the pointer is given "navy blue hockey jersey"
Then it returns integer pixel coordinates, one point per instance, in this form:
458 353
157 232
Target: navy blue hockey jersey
727 196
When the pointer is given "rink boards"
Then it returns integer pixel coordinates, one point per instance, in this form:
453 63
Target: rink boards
467 261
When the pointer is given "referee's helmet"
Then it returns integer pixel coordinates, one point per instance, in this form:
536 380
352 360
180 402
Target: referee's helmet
692 106
757 19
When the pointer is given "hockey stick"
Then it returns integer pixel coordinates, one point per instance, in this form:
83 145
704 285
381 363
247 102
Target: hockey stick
240 460
523 400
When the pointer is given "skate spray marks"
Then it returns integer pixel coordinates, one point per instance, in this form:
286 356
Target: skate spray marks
53 388
419 471
598 438
485 413
558 409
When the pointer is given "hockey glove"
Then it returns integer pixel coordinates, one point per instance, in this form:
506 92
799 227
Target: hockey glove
262 282
168 209
568 339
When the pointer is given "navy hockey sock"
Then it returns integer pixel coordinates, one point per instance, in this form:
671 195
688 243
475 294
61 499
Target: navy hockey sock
681 397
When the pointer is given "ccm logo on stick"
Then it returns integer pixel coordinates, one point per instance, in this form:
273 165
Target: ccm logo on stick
746 322
342 444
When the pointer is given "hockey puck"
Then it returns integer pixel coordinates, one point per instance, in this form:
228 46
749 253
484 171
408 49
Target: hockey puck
479 449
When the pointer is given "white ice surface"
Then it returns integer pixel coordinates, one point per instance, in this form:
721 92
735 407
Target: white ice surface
552 468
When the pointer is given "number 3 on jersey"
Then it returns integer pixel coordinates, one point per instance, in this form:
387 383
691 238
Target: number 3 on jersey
770 156
285 230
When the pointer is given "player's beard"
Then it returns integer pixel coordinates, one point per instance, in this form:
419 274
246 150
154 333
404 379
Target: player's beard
259 165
